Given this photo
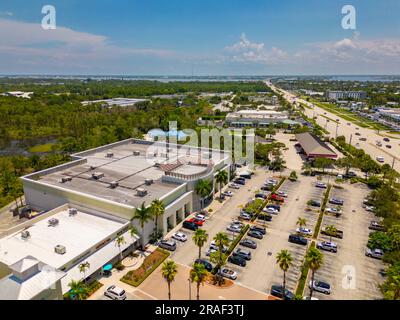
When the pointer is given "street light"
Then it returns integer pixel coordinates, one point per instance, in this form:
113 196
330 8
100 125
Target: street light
190 289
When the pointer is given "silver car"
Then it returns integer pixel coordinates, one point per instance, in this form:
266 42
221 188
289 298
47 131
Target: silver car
327 246
320 286
228 273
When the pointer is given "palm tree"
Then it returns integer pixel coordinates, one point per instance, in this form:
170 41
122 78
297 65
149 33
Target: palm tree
82 269
331 230
221 178
203 189
133 233
221 240
284 259
200 238
169 271
143 215
198 274
314 259
119 241
79 289
157 209
301 222
306 167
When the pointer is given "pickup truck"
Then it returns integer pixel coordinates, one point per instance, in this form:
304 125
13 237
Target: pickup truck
376 226
337 234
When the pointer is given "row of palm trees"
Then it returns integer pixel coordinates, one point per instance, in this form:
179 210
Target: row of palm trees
330 229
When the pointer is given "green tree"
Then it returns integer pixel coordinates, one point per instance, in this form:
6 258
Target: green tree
221 178
198 275
169 271
301 222
203 189
284 259
133 233
157 209
143 215
331 230
119 241
83 267
221 240
314 259
200 238
293 176
78 290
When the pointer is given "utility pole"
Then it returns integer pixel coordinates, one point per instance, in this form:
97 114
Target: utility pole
190 289
337 127
351 137
393 163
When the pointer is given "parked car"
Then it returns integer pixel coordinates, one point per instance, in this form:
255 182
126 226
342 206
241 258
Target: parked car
320 286
374 253
277 291
363 139
333 210
272 181
294 238
380 159
234 186
207 265
336 201
239 261
386 139
228 193
228 273
275 197
200 217
337 234
255 234
315 203
275 206
388 146
180 236
215 247
264 217
237 222
327 246
210 251
245 216
241 182
168 245
234 228
190 225
270 210
261 196
369 208
267 187
358 134
321 185
196 221
245 175
115 293
259 229
282 194
245 254
304 231
248 243
375 225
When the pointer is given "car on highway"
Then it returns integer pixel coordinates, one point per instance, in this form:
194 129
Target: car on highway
248 243
228 273
234 186
277 291
115 293
320 286
234 228
386 139
388 146
259 229
239 261
379 144
180 236
245 254
380 159
304 231
321 185
294 238
336 201
327 246
196 221
255 234
207 265
374 253
357 133
169 245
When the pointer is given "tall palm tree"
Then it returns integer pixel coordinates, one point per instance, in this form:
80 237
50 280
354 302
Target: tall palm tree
133 233
284 259
314 259
301 222
203 189
198 274
200 238
143 215
331 230
221 240
119 241
79 289
221 178
157 209
82 269
169 271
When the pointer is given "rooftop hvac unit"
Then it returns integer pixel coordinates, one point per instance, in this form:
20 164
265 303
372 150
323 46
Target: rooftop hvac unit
60 249
136 153
141 192
97 175
72 211
25 234
65 179
149 182
53 222
114 184
109 155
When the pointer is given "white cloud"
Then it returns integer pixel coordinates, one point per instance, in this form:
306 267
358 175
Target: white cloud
6 13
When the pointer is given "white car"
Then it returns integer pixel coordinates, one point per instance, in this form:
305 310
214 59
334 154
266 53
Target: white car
115 293
180 236
380 159
210 251
327 246
234 186
304 231
228 273
237 222
369 208
234 228
245 216
320 286
333 210
321 185
271 181
214 247
228 193
282 194
200 217
270 210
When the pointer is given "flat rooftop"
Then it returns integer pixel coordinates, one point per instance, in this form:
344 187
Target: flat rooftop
77 233
129 164
120 102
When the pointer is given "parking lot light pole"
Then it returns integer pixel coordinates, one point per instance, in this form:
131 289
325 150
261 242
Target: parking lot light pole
190 289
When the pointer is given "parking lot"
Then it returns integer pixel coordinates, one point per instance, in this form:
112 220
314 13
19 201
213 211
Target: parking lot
350 273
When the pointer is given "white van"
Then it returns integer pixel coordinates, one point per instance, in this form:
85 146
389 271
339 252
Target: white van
115 293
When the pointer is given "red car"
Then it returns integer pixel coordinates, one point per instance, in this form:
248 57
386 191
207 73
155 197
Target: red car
275 197
196 221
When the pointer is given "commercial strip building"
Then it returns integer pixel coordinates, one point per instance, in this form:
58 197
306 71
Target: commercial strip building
18 94
118 102
389 117
255 118
102 187
340 95
313 147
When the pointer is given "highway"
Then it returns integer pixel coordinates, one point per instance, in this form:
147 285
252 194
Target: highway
347 129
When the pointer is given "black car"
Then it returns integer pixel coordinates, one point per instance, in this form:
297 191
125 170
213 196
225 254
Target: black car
294 238
244 175
190 225
268 187
245 254
237 260
237 181
248 243
336 201
264 217
205 263
315 203
386 139
255 234
261 195
259 229
277 291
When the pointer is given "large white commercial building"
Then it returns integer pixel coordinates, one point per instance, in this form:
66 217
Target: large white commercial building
341 95
255 118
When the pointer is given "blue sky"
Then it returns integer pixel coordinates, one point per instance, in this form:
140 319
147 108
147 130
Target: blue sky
208 36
